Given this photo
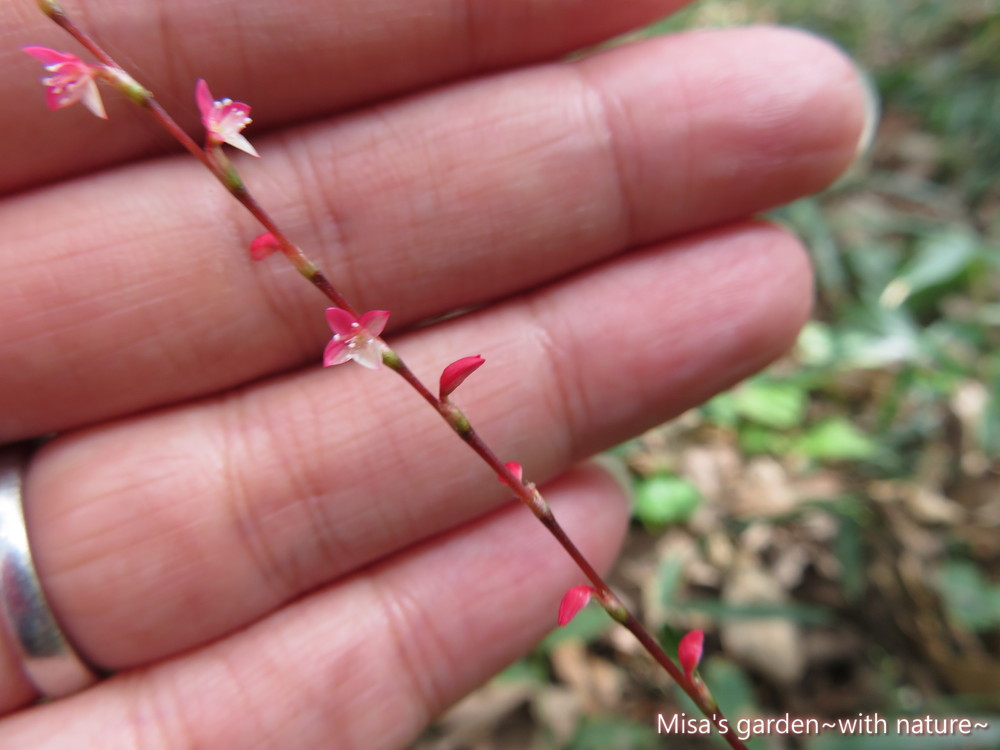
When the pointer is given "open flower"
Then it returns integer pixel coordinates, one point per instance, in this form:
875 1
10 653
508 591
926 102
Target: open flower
355 338
72 80
223 119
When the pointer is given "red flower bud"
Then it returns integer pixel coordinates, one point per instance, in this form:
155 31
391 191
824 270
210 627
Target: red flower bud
573 601
455 373
263 246
689 651
514 468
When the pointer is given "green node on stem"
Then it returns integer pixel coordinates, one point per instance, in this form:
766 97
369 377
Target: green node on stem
126 84
51 8
225 170
457 419
232 178
306 268
613 606
391 360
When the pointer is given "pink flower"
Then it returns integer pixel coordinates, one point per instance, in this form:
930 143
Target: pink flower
223 119
455 373
263 246
355 338
72 80
573 601
689 651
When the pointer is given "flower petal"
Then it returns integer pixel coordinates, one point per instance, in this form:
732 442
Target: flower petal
341 322
456 373
336 353
368 353
374 321
48 56
91 99
572 602
206 104
57 100
238 141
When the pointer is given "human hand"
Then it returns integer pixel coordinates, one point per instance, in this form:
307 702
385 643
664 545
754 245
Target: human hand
266 553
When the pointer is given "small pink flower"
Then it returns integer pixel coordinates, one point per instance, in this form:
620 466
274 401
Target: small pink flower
355 338
263 246
455 373
689 651
72 80
223 119
573 601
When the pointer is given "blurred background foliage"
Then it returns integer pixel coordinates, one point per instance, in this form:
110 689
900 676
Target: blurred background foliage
832 523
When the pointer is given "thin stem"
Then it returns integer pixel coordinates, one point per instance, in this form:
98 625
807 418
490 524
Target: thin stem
528 497
217 163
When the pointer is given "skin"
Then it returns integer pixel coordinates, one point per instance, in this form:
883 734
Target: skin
269 554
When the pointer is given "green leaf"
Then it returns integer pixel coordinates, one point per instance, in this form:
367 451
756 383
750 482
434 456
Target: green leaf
776 404
835 439
757 439
601 733
722 410
662 500
668 579
850 552
940 258
816 345
969 596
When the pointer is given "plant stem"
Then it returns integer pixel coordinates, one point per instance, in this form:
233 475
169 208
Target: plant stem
217 163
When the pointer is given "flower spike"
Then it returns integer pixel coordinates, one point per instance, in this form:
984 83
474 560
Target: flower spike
455 373
689 651
355 338
223 119
573 601
72 80
263 246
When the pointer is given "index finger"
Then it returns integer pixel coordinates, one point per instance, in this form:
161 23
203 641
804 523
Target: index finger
293 60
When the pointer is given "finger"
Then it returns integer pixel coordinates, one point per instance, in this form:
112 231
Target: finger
141 294
161 533
291 61
369 661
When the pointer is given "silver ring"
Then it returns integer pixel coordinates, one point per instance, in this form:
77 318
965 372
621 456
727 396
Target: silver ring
47 658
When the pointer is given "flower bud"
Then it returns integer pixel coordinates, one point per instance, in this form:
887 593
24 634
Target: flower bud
456 373
573 601
689 651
